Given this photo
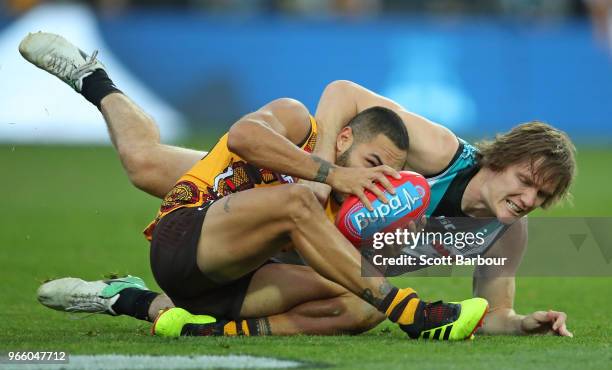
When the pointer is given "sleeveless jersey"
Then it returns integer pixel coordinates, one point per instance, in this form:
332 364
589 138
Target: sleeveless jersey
221 173
444 213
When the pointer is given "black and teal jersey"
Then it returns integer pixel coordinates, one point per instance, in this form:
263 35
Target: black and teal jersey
444 214
447 186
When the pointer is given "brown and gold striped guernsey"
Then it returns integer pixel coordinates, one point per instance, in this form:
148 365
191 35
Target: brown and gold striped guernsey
221 173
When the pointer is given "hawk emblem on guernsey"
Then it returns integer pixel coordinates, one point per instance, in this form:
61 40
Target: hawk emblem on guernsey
239 176
184 192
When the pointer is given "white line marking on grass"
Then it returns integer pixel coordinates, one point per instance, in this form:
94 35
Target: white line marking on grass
137 362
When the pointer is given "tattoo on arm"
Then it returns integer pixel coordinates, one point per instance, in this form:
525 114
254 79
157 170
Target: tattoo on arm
324 167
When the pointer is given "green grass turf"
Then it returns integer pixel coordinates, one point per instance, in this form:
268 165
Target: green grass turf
70 211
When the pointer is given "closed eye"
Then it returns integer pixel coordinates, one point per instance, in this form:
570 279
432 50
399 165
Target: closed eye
525 181
544 195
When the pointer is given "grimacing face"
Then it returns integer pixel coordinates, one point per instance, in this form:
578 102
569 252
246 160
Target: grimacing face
515 191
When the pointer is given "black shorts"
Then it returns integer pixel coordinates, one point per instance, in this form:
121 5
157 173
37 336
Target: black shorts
173 262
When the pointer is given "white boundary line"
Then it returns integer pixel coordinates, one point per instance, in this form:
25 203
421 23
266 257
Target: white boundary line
147 362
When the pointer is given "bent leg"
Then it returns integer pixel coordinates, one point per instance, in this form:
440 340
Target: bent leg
296 300
245 229
293 300
345 314
150 165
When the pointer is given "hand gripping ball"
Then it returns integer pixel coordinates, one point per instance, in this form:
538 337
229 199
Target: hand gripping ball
409 203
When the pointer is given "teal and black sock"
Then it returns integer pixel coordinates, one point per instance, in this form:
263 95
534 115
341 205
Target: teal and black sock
97 86
134 302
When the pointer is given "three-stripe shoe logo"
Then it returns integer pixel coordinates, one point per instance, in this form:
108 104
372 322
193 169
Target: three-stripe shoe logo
438 332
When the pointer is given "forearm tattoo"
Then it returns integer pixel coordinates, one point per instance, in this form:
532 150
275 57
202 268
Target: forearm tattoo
324 168
368 296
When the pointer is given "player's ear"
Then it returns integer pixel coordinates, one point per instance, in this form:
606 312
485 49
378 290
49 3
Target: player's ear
344 140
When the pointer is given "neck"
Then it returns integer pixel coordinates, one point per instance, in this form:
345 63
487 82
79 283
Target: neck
473 201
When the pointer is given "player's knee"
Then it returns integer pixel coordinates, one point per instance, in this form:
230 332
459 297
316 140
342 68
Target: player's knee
302 202
139 165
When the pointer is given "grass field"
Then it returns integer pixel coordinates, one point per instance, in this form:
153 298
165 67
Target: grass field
70 211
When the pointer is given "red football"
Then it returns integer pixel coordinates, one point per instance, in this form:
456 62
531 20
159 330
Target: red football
409 203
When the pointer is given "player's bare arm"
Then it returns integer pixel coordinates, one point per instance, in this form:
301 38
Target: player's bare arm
155 167
497 285
432 146
267 138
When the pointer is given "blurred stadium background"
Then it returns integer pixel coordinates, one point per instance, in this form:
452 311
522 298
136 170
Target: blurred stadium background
477 66
196 65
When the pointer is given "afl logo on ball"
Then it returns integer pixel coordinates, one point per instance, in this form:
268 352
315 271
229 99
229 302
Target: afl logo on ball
409 203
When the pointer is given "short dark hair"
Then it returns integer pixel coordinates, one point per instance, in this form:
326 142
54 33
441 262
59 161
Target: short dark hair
379 120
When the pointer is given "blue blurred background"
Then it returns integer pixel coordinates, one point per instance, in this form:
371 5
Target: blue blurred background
478 67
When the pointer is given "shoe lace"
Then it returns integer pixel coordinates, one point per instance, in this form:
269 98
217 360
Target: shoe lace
60 64
66 67
85 67
87 303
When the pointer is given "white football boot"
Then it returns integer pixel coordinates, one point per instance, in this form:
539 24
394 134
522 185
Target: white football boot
77 295
56 55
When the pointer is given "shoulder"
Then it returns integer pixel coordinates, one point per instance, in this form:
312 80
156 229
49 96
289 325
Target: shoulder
464 158
292 115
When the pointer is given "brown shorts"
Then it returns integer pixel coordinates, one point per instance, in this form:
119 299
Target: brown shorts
173 262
